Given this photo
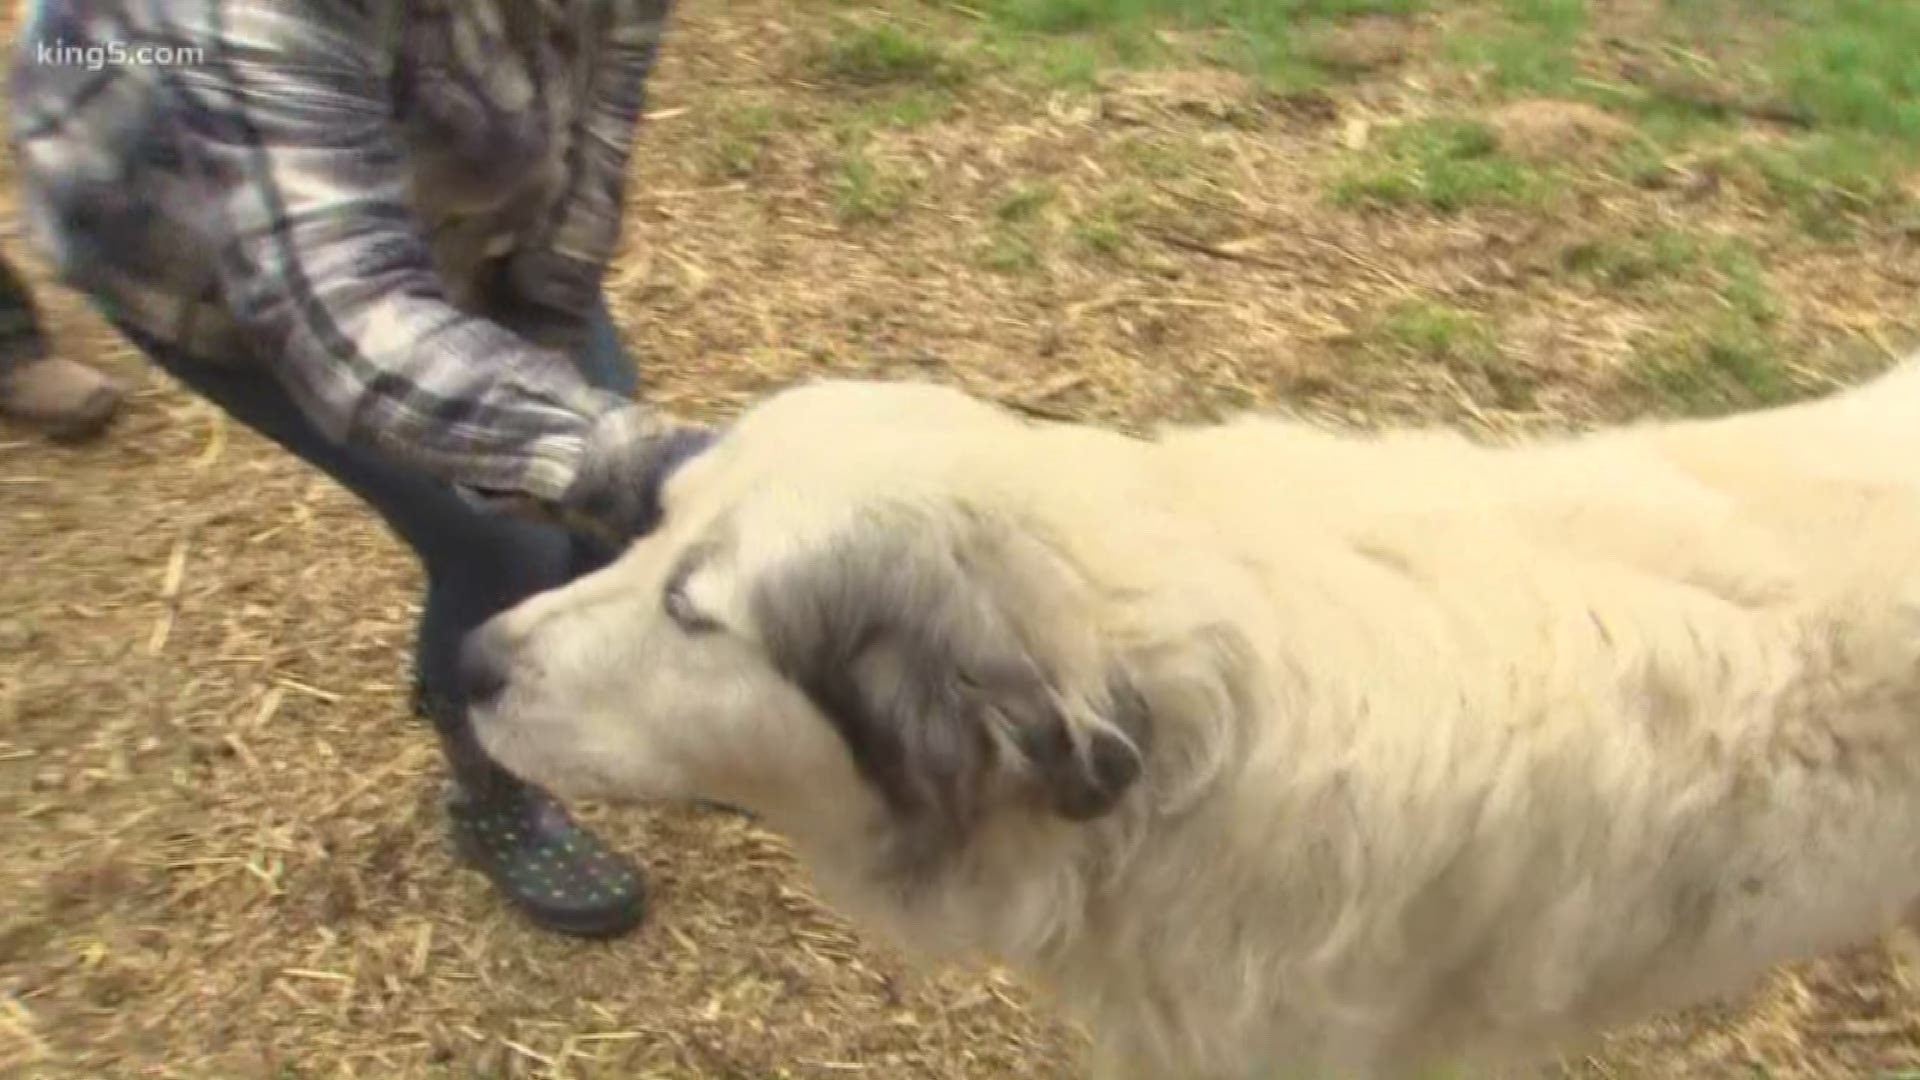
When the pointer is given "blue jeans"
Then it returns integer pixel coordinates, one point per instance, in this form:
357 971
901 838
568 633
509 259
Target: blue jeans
477 564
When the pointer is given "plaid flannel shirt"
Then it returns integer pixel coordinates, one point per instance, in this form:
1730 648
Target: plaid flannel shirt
404 211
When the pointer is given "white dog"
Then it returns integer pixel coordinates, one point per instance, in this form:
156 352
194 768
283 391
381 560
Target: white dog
1268 750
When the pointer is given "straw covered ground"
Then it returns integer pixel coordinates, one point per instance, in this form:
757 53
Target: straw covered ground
220 848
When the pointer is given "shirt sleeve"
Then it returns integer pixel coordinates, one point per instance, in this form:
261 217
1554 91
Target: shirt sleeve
327 268
563 271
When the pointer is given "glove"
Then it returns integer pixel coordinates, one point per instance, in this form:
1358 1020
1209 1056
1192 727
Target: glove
629 455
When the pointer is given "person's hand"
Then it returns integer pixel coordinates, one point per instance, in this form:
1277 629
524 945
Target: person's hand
629 455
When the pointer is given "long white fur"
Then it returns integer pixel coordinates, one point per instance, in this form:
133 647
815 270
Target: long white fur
1458 752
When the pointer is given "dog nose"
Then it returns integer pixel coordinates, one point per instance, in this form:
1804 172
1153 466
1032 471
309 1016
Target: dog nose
485 664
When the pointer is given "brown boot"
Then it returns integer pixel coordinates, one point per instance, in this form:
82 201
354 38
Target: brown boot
67 400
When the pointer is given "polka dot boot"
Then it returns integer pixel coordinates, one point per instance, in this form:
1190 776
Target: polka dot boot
527 845
557 872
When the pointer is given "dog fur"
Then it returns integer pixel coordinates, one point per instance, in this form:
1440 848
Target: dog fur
1272 750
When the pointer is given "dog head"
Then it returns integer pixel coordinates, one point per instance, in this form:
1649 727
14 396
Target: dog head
845 620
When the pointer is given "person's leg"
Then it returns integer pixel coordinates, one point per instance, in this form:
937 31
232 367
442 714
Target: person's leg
65 399
608 365
605 361
477 565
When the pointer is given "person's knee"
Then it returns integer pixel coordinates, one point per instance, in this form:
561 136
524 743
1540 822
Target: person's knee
505 560
491 567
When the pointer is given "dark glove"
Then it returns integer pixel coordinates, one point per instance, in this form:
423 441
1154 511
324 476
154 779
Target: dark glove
629 455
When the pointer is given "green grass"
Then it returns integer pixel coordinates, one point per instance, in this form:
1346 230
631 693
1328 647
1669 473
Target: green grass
1015 238
1270 40
1081 16
1072 61
1743 285
1071 64
1446 164
1102 235
1726 366
1424 333
1160 157
1434 330
1850 65
740 140
1109 228
907 108
1842 70
1010 251
1644 160
868 55
1830 182
1847 65
1023 202
1731 359
1530 46
863 191
1628 262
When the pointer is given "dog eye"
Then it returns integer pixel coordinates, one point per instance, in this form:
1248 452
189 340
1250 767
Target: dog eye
681 610
677 597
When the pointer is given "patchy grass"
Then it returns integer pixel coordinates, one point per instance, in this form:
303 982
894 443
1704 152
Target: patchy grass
1832 183
1072 62
1024 202
1728 358
1421 339
1729 364
1527 46
1743 285
1435 330
863 190
740 138
1272 40
1445 164
1644 161
910 108
1248 17
1849 65
1016 236
1846 69
1010 251
1160 157
1102 235
878 54
1833 83
1633 260
1108 227
1666 258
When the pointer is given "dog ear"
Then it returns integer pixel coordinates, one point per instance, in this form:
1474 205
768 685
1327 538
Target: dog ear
904 634
1086 763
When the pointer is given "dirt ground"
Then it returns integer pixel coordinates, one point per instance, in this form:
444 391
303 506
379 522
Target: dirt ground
220 845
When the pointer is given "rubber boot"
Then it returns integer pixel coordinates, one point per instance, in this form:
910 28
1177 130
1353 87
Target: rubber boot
556 872
66 400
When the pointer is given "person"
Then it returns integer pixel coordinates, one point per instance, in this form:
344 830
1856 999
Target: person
376 232
62 398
